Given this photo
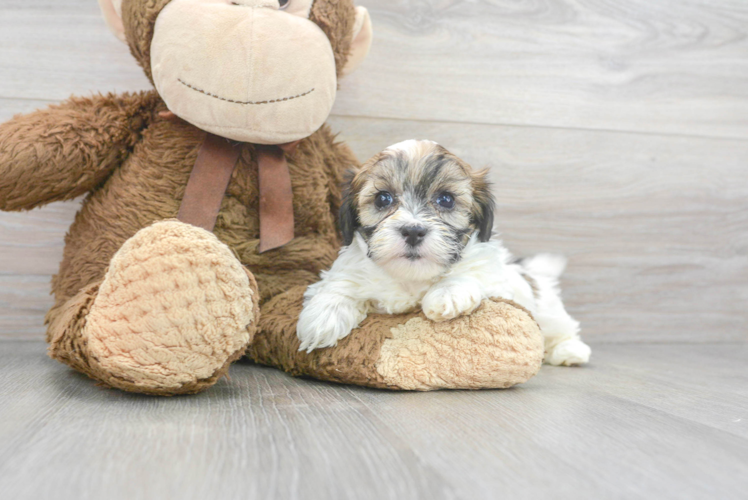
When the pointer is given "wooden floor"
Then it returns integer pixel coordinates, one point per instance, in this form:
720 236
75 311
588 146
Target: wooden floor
642 421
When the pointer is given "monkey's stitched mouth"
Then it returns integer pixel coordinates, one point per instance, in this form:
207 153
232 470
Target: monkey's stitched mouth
280 99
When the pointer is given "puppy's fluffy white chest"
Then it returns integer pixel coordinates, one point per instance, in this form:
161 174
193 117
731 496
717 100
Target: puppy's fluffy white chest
361 279
417 225
356 286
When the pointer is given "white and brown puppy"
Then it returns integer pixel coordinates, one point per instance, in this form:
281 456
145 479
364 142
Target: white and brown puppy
417 224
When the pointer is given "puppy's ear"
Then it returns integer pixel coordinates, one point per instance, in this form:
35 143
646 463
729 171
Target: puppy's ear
484 205
348 211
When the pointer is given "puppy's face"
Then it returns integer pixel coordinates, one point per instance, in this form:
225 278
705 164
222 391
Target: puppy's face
416 205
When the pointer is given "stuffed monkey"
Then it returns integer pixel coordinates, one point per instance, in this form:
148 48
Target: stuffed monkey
174 267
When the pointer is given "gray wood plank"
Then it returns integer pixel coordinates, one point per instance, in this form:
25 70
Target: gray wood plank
624 427
654 226
51 53
707 383
665 66
31 245
83 6
15 106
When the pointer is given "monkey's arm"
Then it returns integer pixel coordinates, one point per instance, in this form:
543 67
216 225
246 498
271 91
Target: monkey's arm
65 150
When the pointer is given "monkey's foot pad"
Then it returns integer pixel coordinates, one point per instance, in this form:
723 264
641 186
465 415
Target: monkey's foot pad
497 346
174 309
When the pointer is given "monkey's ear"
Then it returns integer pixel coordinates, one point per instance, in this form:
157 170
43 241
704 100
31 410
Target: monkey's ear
362 35
348 213
483 206
112 10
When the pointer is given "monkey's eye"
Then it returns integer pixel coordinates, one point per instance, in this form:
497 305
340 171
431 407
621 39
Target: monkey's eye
383 200
283 3
446 201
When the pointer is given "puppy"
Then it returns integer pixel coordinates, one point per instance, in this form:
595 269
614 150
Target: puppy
417 224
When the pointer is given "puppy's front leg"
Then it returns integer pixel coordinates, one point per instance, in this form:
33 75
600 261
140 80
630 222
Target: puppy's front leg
452 297
326 318
478 275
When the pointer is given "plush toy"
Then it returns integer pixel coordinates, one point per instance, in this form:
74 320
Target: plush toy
212 203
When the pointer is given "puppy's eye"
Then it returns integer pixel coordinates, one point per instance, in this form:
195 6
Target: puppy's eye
283 3
383 199
445 200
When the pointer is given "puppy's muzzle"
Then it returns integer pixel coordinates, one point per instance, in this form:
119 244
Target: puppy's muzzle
414 235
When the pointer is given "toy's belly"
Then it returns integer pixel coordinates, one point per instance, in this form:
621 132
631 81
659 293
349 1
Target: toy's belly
149 187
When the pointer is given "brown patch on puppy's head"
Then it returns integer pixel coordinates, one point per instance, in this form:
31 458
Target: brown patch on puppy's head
484 204
415 206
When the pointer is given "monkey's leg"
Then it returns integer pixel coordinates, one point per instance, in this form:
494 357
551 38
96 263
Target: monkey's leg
174 310
496 346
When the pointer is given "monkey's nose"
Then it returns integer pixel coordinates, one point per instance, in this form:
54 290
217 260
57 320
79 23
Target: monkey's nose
414 234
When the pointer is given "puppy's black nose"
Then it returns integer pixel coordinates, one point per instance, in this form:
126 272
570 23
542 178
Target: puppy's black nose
413 235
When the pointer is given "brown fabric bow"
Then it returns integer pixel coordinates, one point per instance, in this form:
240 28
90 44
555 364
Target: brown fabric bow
210 177
276 197
208 181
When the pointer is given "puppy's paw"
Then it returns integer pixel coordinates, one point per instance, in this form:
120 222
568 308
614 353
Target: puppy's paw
442 303
326 319
568 353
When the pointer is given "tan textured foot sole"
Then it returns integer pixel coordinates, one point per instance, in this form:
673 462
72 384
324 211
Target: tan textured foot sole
496 346
175 308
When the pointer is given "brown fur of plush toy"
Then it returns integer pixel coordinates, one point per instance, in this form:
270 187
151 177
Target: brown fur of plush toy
156 307
497 346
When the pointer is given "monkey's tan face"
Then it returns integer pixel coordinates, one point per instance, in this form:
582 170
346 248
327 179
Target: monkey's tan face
415 205
251 70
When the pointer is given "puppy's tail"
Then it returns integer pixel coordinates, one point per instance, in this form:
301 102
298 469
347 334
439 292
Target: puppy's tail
546 265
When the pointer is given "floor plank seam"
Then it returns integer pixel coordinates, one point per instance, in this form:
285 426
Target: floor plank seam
548 127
